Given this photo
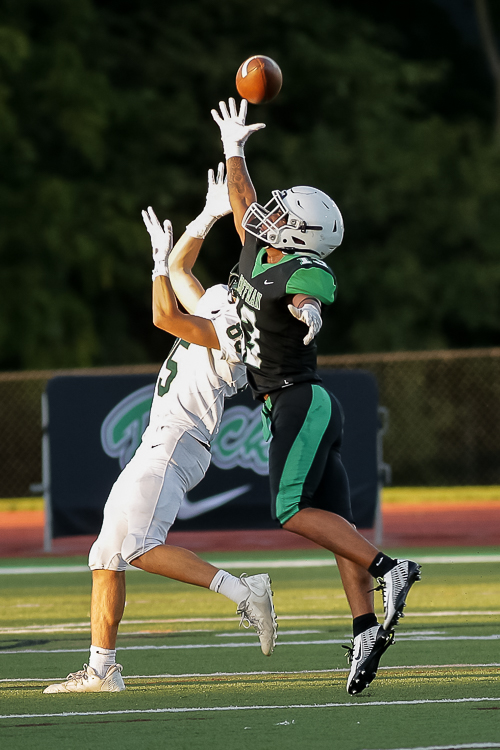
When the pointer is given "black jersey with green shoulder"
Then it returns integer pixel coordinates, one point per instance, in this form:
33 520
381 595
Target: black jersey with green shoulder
275 353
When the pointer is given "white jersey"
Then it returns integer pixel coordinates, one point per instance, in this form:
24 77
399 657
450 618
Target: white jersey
194 381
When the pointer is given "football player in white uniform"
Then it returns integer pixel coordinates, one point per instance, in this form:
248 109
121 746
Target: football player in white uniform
203 368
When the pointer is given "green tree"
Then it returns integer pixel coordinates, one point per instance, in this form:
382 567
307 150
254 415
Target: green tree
105 109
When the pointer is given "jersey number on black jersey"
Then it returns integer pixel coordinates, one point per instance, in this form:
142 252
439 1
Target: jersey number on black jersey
251 355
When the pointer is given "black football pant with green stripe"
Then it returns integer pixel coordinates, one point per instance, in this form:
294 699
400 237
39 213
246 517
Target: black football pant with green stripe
305 466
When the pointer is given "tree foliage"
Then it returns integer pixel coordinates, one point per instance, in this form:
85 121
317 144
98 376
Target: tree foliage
105 109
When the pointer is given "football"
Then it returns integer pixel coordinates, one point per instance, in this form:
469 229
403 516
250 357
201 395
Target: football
259 79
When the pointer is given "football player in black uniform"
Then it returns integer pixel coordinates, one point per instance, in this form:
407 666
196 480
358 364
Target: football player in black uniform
283 281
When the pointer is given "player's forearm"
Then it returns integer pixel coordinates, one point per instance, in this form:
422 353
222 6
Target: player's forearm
308 310
241 190
299 300
184 254
186 286
168 317
164 303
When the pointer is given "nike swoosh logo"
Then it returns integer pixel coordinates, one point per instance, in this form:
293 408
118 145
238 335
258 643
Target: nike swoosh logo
268 282
189 509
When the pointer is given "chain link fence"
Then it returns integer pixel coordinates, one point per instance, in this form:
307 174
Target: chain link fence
443 406
444 414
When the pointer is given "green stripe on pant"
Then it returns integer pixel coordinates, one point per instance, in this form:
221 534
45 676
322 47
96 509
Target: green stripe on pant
302 454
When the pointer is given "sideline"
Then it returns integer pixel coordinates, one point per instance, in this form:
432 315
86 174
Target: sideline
257 564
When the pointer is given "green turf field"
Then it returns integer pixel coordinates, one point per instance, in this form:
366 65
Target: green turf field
195 680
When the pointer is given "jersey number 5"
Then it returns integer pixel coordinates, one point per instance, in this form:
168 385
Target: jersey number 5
171 367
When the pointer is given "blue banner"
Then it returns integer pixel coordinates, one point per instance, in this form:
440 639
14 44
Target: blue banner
96 424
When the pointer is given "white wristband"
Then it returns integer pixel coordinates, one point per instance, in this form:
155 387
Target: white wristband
233 149
200 227
160 269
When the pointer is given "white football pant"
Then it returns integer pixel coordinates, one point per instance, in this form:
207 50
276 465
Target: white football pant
146 497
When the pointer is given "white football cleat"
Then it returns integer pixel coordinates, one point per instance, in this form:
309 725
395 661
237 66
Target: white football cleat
396 585
88 681
364 656
257 610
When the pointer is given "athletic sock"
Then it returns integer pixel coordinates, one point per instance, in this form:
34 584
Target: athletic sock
228 585
363 622
381 565
101 659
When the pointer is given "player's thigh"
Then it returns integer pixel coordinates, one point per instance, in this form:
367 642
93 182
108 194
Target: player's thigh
332 492
288 415
106 550
327 483
173 470
306 423
177 470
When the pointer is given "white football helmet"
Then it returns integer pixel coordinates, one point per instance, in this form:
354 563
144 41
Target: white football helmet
299 220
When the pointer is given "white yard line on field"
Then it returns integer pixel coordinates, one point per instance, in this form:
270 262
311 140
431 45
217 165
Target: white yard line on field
472 746
317 562
254 644
76 627
124 712
207 675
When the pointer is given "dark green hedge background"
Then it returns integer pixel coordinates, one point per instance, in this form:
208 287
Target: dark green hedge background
105 109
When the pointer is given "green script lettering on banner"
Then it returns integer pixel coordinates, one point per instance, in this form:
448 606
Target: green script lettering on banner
240 442
122 429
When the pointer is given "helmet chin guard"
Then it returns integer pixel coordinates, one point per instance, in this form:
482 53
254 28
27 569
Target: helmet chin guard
298 220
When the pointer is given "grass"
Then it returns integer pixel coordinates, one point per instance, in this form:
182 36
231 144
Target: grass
194 680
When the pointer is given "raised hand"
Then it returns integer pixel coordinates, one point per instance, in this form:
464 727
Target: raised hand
217 202
216 205
161 241
232 126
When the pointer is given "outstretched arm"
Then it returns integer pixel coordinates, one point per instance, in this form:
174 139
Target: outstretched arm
187 288
181 261
308 310
168 317
166 313
241 191
234 134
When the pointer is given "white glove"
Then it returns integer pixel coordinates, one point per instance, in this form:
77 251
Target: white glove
161 241
232 126
310 315
217 205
